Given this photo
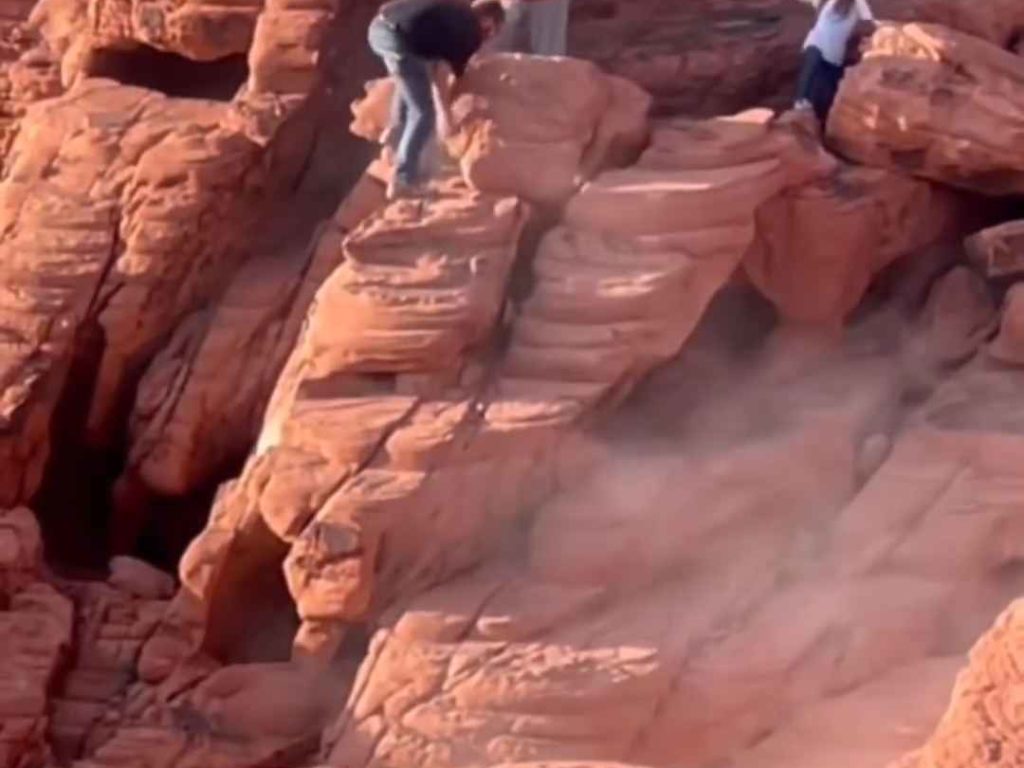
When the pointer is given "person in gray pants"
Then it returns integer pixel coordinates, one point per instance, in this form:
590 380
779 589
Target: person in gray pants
533 26
548 26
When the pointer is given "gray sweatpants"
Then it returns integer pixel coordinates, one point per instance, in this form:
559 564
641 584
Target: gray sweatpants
548 24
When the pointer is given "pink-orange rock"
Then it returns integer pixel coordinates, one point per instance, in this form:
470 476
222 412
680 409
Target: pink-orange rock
982 725
529 126
958 318
363 443
999 21
910 516
523 124
869 726
418 287
935 103
199 406
820 244
624 129
267 701
693 652
371 114
128 209
21 550
544 657
701 57
132 278
140 579
998 250
1008 346
35 634
95 689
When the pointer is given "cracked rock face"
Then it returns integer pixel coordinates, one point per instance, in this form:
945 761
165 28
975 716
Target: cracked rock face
653 434
935 103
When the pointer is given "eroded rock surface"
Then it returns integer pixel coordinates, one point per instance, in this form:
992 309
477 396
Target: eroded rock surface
932 102
35 635
427 414
529 126
998 250
981 725
130 199
708 57
820 245
428 387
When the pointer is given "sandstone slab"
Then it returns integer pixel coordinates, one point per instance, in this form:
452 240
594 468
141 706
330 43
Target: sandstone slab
820 244
935 103
998 250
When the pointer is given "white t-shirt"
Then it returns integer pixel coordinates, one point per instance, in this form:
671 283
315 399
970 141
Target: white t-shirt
831 32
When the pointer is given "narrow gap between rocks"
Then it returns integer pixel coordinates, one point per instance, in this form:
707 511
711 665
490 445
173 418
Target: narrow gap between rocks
86 494
169 73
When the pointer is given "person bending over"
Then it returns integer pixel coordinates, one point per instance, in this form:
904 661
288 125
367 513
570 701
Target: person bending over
825 53
413 37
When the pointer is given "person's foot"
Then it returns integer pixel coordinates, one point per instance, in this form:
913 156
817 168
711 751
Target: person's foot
403 190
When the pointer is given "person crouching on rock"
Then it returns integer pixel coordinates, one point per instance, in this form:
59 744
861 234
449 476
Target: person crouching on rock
413 37
825 53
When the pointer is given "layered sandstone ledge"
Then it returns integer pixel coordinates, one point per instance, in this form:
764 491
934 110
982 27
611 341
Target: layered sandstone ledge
441 549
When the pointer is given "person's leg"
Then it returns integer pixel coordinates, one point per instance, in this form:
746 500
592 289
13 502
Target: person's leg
549 25
386 44
829 79
412 79
811 57
399 112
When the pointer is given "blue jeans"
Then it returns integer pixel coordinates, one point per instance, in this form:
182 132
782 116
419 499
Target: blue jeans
412 109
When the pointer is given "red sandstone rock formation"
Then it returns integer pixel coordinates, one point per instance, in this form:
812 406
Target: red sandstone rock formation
703 57
935 103
981 725
35 634
838 233
429 392
998 250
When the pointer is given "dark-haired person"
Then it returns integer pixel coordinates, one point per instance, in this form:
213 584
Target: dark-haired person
412 37
825 53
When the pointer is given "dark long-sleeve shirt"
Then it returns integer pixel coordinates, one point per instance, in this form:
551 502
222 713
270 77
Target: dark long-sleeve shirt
437 30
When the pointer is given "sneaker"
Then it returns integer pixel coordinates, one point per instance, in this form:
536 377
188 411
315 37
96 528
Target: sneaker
402 190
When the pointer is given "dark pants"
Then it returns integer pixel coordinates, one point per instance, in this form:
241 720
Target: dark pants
818 82
412 110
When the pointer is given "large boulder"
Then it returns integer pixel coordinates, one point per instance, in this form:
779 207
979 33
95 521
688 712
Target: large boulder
691 653
982 724
530 126
935 103
363 442
820 244
35 636
998 250
701 57
998 21
680 656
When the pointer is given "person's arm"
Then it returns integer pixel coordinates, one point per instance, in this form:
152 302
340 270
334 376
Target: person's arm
442 84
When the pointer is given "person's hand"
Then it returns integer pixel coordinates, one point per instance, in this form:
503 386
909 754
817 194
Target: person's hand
444 126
